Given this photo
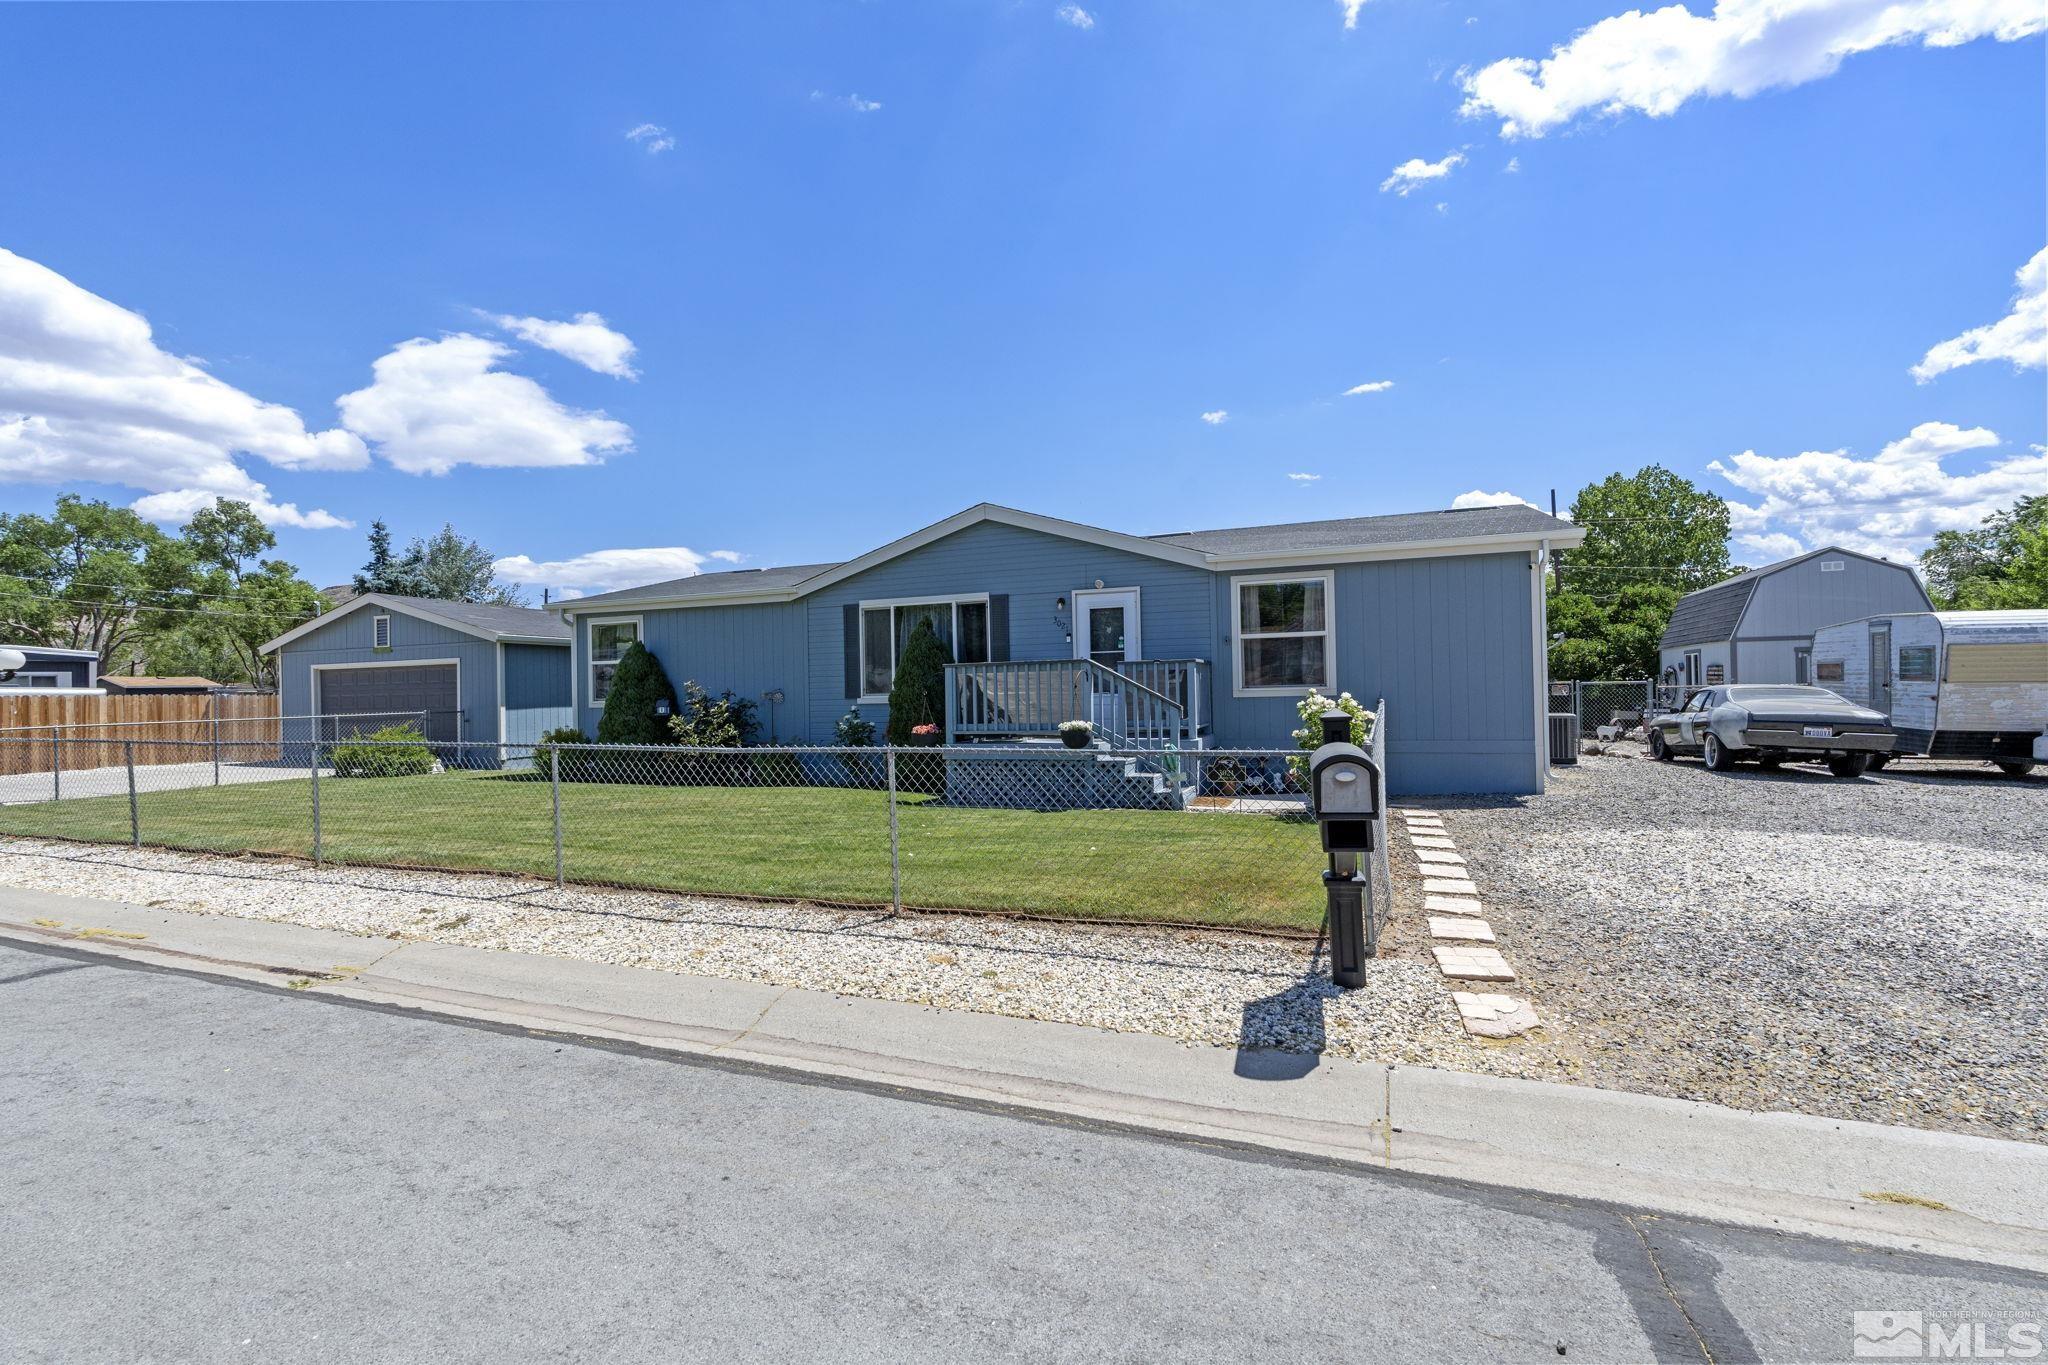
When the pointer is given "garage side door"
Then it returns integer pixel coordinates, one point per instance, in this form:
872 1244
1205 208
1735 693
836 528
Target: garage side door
367 692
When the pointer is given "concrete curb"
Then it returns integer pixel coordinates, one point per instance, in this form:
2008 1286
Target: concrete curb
1944 1194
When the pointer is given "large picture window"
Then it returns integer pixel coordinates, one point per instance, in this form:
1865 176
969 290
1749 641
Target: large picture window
961 623
609 641
1286 640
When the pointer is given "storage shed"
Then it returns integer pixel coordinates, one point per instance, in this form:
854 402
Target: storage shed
1757 627
488 674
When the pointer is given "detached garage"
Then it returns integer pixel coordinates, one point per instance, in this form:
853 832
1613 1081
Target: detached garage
491 675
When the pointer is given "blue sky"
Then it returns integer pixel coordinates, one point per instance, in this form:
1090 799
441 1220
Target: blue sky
903 257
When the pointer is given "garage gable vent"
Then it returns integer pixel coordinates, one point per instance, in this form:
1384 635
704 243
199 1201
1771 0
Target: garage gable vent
1832 566
380 632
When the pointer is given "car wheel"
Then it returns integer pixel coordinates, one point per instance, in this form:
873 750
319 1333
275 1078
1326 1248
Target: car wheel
2014 767
1659 750
1876 762
1848 765
1719 758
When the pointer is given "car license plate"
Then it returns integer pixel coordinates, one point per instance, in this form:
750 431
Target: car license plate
1819 732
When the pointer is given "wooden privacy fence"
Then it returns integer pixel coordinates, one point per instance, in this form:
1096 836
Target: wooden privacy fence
94 728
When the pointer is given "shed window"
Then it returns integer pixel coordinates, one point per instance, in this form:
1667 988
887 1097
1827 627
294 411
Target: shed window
1285 635
961 623
609 641
380 632
1916 663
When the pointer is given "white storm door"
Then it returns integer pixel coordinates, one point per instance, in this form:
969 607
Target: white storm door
1106 626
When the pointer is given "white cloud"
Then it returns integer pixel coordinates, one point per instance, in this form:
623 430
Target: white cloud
605 570
1513 167
853 102
1370 386
1655 62
433 405
586 340
1770 548
1891 504
1415 172
653 137
1075 15
1216 418
1480 498
1304 478
1351 9
87 396
2020 337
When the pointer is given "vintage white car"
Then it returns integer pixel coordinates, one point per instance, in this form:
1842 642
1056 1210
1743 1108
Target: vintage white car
1773 723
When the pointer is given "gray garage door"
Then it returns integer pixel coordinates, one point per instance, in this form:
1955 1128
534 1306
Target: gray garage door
368 692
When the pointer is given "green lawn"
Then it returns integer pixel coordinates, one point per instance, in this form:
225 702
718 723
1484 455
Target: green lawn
785 842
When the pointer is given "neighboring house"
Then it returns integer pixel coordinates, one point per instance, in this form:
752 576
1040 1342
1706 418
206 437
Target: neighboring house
1204 639
1758 626
61 669
139 685
479 673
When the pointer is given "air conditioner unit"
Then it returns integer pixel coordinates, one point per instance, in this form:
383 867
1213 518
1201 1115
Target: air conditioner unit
1564 737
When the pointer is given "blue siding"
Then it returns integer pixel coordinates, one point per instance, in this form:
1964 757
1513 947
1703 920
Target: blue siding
1447 641
536 691
1175 606
347 642
749 649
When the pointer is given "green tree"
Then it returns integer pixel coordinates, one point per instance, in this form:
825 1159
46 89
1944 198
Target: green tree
638 685
918 696
1612 638
454 568
1647 527
2003 565
75 578
227 599
382 572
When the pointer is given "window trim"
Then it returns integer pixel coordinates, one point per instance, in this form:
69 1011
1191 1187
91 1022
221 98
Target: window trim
590 659
1328 578
380 625
1690 669
891 604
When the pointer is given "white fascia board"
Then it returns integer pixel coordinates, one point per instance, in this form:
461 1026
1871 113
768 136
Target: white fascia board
411 609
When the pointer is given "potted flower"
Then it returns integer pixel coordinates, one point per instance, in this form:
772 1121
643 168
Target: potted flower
1226 774
1076 734
924 736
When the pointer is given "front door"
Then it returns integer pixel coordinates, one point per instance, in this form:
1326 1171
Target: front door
1106 626
1881 669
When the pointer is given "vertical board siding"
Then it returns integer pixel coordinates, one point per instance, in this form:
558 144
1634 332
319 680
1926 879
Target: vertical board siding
749 649
347 642
536 691
247 719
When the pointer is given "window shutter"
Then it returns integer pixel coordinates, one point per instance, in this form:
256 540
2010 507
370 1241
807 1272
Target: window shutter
850 613
998 627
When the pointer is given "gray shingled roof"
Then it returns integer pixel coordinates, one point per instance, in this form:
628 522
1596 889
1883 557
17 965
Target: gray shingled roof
1397 528
1709 614
733 581
529 622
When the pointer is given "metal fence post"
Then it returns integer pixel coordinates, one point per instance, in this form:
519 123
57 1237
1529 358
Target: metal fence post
56 763
895 844
134 809
213 724
555 795
316 802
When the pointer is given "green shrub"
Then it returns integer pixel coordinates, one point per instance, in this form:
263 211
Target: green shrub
707 722
638 687
574 757
855 731
394 751
918 696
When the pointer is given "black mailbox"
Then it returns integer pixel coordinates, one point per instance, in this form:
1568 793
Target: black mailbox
1345 786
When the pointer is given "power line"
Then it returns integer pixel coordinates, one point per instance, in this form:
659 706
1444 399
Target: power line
129 608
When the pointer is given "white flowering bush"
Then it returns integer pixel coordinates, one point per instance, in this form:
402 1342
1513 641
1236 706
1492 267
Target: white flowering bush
1310 736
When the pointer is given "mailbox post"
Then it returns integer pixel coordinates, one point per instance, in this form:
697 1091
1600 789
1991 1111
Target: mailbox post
1344 784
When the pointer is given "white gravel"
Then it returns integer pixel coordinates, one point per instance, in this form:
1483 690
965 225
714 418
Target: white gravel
1215 988
1873 949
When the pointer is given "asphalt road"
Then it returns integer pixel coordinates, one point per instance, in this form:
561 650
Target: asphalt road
201 1171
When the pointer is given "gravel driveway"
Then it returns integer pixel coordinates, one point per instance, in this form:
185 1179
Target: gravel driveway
1871 949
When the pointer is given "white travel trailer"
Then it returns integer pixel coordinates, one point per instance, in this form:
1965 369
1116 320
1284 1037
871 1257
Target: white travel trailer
1956 684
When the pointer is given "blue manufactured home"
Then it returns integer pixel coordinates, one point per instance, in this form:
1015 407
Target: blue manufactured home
1201 639
495 675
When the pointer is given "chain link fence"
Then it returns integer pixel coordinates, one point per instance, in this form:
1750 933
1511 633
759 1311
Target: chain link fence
1221 837
1623 702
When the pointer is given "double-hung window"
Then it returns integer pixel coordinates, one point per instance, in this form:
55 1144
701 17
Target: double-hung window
609 640
961 623
1285 633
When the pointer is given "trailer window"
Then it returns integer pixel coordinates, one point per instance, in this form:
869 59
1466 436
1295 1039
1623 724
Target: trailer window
1916 663
1827 671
